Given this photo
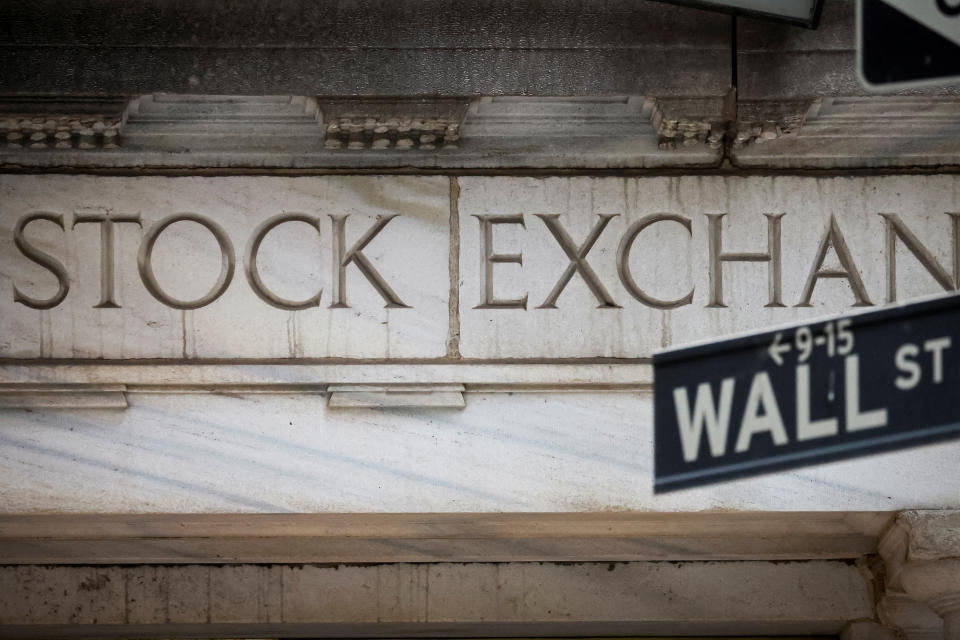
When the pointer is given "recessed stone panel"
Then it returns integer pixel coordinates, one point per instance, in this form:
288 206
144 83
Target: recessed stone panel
583 267
181 282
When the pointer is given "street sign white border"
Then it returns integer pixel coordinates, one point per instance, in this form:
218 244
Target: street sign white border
892 86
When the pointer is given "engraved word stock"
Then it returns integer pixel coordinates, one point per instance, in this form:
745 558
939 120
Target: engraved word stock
344 258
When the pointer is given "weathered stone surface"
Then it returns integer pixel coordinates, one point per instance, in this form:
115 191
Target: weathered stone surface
863 630
203 131
922 555
858 132
295 261
439 47
60 122
783 61
648 598
913 618
351 538
672 294
932 535
185 131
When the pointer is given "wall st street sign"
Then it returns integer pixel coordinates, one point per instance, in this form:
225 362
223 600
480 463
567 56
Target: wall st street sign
811 393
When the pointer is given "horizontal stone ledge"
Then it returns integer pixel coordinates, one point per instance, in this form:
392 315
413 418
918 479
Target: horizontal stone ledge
383 396
453 537
757 630
850 133
185 377
63 396
606 153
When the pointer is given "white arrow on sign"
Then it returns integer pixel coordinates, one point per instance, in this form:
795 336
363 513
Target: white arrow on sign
941 16
776 348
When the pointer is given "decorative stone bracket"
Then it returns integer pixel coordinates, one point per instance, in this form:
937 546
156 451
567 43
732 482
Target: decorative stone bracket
63 396
689 122
922 555
759 121
392 123
72 123
390 396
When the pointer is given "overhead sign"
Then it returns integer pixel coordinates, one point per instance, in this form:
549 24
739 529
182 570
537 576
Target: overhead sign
814 392
801 12
904 43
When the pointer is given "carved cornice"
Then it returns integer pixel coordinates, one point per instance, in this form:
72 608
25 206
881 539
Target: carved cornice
377 123
852 132
391 133
69 123
689 121
489 132
517 119
223 124
603 132
760 121
400 124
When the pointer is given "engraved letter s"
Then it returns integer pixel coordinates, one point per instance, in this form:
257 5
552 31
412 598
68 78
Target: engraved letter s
43 259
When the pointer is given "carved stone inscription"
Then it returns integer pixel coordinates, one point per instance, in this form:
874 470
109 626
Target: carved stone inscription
359 266
104 267
618 267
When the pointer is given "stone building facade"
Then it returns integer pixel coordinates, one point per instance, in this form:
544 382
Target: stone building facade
336 319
